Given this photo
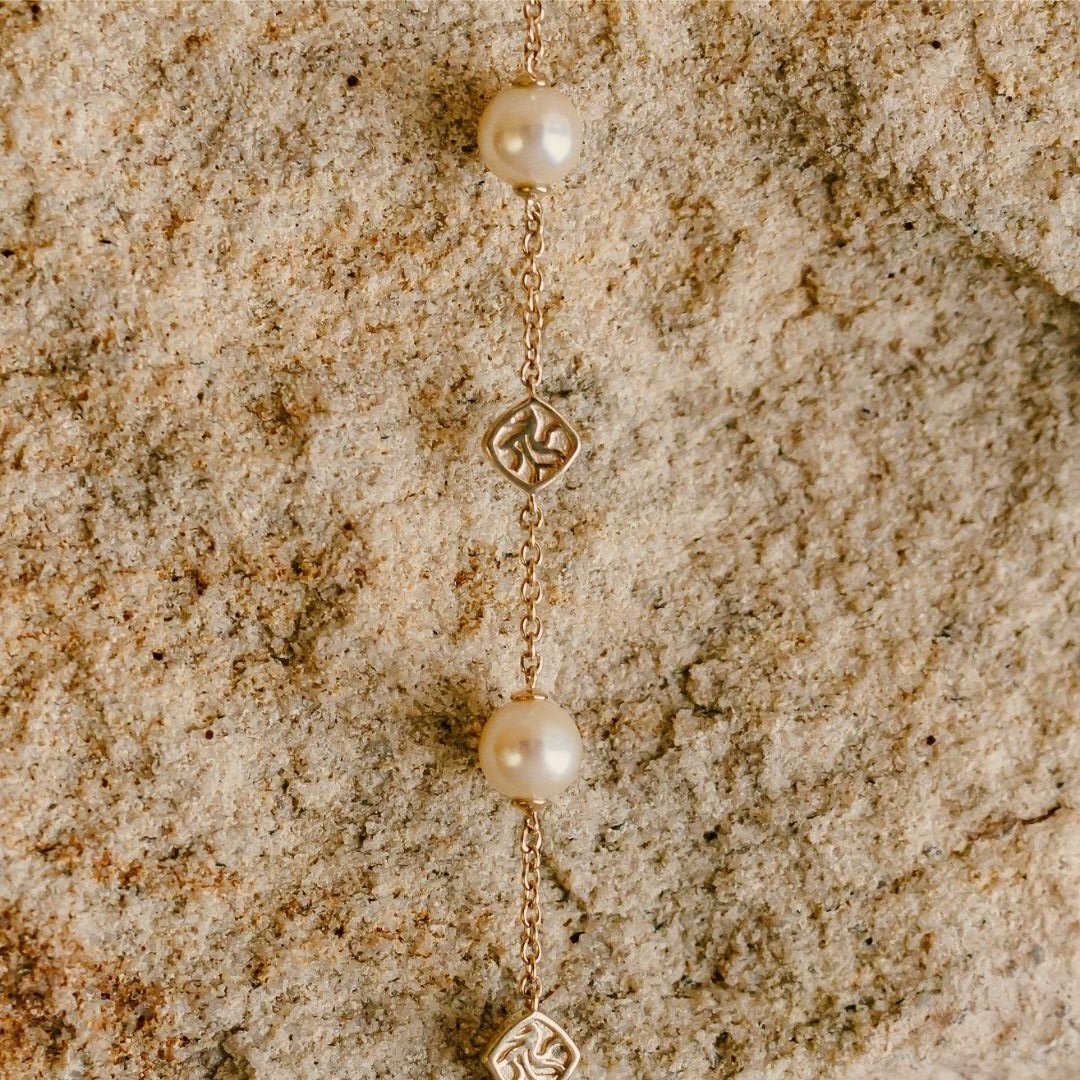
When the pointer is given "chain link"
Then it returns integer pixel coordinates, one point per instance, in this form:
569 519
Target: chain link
531 842
533 11
532 628
532 281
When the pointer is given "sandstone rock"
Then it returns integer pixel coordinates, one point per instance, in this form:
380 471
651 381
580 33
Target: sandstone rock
810 587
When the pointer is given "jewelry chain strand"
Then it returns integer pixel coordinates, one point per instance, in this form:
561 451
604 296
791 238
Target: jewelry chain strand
531 519
532 281
531 841
534 45
532 628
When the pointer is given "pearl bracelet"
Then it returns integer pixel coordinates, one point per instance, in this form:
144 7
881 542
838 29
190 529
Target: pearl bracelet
530 750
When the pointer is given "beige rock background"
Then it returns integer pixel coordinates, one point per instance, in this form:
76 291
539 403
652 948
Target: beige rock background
812 587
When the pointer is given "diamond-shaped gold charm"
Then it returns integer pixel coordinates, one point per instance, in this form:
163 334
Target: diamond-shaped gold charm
531 443
534 1048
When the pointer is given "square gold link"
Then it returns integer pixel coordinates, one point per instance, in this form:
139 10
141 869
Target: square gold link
532 443
533 1048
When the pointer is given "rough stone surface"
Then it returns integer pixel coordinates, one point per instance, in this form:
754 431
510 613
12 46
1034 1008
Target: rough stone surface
811 588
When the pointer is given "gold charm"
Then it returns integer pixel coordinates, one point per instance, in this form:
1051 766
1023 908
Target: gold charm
531 443
534 1048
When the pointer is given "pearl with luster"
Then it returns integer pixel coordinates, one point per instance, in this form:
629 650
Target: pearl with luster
530 749
530 136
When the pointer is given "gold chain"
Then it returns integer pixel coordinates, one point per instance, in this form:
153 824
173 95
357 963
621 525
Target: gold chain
532 628
532 281
531 518
534 46
531 841
532 317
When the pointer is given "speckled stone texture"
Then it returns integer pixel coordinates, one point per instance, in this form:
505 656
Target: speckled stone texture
812 586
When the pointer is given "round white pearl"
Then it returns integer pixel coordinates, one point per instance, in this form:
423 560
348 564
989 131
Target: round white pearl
530 749
530 135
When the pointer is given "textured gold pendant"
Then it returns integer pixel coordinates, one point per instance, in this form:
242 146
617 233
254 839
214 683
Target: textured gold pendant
531 443
533 1048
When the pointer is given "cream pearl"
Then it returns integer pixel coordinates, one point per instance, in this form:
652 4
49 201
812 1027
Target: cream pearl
530 136
530 749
